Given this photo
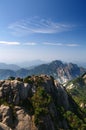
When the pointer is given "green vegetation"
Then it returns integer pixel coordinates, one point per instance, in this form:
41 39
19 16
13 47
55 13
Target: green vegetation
78 80
11 78
36 80
29 80
40 101
74 121
79 95
78 92
4 102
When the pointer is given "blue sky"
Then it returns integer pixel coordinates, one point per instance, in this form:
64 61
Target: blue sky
42 29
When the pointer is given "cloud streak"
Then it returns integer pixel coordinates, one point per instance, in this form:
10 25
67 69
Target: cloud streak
36 25
72 45
35 44
61 44
53 44
9 43
30 43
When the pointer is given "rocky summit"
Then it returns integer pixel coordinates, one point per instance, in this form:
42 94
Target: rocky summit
38 103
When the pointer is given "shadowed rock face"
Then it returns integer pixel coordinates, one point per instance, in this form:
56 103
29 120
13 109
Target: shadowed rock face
14 91
33 104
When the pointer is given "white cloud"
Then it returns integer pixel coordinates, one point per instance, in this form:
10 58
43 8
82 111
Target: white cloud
72 45
53 44
30 43
61 44
9 43
36 25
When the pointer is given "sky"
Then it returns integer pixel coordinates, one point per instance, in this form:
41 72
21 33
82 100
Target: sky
42 29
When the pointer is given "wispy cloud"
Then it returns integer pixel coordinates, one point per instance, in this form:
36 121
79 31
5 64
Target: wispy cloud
34 44
30 43
53 44
72 45
61 44
9 43
37 25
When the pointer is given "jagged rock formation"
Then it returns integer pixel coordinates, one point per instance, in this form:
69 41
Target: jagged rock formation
36 103
62 72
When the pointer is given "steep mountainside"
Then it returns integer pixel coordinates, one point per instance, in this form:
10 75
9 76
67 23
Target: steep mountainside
59 70
38 103
77 88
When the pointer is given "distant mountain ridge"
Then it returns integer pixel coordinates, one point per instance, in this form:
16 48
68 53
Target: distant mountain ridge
59 70
31 64
9 66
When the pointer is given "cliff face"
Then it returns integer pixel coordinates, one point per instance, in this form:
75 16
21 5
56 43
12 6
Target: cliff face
35 103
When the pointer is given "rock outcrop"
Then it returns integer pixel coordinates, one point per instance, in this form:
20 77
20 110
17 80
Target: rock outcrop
34 103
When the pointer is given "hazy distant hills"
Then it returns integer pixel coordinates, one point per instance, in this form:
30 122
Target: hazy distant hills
59 70
31 64
4 74
9 66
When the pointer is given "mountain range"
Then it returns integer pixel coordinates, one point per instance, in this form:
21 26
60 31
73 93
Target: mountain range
9 66
62 72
